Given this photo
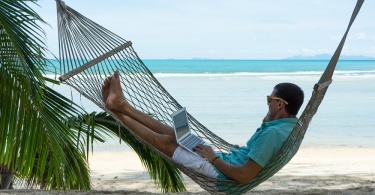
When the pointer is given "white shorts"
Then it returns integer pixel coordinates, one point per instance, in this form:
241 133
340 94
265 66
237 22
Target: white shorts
192 161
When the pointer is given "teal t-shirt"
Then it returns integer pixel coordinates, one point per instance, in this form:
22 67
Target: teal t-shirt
263 145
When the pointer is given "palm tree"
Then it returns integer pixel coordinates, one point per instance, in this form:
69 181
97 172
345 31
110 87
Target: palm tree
32 125
160 170
44 137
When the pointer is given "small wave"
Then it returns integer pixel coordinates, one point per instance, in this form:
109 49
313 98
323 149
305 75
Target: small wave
267 74
339 73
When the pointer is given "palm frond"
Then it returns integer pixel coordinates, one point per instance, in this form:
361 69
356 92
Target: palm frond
161 171
44 149
22 46
35 143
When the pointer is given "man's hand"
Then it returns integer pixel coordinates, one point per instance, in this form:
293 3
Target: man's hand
205 151
267 118
241 173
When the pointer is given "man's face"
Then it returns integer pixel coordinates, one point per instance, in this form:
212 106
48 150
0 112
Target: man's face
273 105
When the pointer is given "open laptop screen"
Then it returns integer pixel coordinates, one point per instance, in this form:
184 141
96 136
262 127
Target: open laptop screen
180 122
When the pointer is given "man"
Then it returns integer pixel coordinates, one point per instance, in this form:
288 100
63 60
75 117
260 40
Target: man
241 164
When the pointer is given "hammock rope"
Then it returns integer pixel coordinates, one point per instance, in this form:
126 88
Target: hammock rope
89 53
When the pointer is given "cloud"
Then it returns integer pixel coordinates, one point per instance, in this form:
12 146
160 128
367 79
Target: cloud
364 36
364 51
335 37
361 36
308 51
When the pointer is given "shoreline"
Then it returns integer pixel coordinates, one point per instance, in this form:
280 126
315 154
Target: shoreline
313 170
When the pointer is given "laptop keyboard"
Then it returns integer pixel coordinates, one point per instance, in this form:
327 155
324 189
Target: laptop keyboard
191 141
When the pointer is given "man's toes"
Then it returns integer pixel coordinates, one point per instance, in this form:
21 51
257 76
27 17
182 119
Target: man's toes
106 81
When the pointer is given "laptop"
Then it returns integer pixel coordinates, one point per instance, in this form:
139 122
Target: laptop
184 136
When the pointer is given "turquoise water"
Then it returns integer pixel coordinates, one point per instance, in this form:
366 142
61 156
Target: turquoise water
229 96
248 66
258 66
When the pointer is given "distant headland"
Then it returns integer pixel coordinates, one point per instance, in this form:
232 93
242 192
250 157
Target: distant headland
328 57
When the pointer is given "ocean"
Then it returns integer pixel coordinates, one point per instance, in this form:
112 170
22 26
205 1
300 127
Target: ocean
229 97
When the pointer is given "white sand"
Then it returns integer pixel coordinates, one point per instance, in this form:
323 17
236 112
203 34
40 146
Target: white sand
313 169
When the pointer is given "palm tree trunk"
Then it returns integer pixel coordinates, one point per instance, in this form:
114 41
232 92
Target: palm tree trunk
6 177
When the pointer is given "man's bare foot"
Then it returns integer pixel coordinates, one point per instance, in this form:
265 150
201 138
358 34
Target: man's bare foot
115 99
106 88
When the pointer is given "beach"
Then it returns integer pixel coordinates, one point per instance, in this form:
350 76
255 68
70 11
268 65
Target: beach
313 170
321 170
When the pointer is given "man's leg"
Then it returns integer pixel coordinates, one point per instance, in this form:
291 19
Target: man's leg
164 143
115 100
159 135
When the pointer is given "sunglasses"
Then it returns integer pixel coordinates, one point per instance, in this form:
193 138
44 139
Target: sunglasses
270 98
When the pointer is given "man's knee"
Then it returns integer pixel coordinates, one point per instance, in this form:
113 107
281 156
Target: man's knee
168 145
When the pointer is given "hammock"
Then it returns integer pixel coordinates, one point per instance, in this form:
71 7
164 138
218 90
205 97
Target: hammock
89 53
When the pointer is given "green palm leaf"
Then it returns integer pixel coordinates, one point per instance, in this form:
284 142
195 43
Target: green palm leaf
22 46
161 171
45 149
36 143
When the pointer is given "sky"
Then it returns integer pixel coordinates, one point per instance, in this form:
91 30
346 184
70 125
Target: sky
223 29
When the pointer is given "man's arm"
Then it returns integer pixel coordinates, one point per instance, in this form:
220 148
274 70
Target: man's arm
241 173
